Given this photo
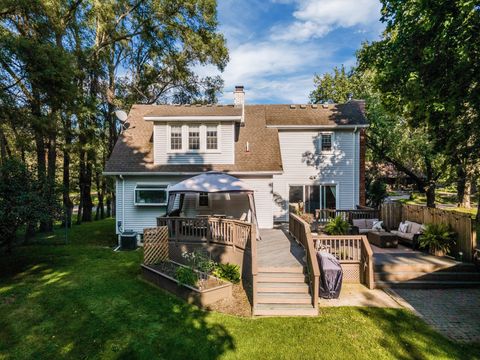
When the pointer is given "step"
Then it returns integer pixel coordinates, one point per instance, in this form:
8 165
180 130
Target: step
426 284
426 267
283 298
289 287
280 277
426 276
284 310
282 269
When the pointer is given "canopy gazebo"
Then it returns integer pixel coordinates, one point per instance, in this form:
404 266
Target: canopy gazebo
212 194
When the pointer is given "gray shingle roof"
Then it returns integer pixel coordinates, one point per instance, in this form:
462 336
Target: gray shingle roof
133 152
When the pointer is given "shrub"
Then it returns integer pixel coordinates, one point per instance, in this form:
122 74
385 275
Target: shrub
186 276
337 226
229 272
437 237
376 192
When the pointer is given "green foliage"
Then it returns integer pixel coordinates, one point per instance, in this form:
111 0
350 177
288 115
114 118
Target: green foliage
229 272
437 237
376 192
186 276
19 202
337 87
199 260
337 226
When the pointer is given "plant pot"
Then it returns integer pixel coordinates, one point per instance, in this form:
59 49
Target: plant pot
436 252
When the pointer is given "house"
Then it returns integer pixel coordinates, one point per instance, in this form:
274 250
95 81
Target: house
286 153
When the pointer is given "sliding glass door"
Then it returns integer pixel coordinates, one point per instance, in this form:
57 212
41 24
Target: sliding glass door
314 196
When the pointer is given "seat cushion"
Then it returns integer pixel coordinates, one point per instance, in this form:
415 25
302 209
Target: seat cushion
360 223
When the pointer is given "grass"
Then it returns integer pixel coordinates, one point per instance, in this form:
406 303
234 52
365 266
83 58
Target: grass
82 300
442 199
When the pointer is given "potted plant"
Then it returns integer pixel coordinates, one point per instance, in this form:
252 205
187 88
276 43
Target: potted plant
337 226
437 238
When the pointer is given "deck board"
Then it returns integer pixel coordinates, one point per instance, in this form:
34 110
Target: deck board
277 249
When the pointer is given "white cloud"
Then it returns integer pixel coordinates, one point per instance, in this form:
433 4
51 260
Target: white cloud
316 18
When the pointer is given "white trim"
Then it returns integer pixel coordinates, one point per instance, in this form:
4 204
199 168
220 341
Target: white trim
185 139
193 118
332 142
301 127
146 187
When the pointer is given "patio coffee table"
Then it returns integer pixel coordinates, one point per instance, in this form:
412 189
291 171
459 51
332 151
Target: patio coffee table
382 239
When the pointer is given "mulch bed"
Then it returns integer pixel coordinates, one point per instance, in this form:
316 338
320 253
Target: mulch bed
239 304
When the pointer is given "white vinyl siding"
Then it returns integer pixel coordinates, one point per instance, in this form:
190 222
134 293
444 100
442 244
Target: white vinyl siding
222 154
138 218
338 167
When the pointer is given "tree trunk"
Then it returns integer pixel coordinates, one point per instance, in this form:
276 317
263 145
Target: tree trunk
81 175
461 182
466 203
430 192
40 151
67 202
50 183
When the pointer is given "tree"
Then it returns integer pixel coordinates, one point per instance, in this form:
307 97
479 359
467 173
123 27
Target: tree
426 68
337 87
19 200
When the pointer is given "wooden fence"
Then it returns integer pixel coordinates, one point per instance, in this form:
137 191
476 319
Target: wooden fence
464 226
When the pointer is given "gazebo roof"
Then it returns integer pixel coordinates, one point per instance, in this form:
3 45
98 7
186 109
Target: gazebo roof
211 182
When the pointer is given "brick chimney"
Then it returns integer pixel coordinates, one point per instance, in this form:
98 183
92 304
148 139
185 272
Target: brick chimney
239 96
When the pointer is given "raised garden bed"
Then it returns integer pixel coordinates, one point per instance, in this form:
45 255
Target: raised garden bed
209 291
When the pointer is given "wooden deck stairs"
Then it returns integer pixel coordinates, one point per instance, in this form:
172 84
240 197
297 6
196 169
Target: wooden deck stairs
283 291
281 285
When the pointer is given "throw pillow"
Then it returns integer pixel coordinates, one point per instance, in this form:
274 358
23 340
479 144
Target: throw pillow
403 227
377 226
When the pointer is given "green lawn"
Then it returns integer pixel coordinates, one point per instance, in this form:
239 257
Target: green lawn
444 200
82 300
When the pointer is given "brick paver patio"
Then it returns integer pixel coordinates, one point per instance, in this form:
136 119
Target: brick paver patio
453 312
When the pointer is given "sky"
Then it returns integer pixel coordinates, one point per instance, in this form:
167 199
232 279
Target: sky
276 46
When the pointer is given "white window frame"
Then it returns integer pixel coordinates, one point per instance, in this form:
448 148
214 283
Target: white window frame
320 145
321 184
185 141
150 187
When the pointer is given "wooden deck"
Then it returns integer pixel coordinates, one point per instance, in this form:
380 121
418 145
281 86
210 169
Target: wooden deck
278 250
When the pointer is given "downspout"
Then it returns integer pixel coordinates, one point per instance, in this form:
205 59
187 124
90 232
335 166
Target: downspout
355 195
123 213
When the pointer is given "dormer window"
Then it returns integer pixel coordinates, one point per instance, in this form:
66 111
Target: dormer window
176 138
193 138
196 138
212 137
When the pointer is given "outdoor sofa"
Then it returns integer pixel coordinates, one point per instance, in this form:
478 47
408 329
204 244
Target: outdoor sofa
410 233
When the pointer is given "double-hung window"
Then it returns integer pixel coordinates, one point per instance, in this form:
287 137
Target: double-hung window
176 137
194 138
150 195
212 137
326 142
184 138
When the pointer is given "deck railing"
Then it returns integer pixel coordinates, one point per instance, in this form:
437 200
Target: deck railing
235 233
300 230
350 250
322 216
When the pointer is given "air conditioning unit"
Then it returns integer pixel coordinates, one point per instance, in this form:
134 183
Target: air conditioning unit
128 240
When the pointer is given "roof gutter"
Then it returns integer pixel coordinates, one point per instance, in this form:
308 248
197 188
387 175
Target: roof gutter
280 127
140 173
194 118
